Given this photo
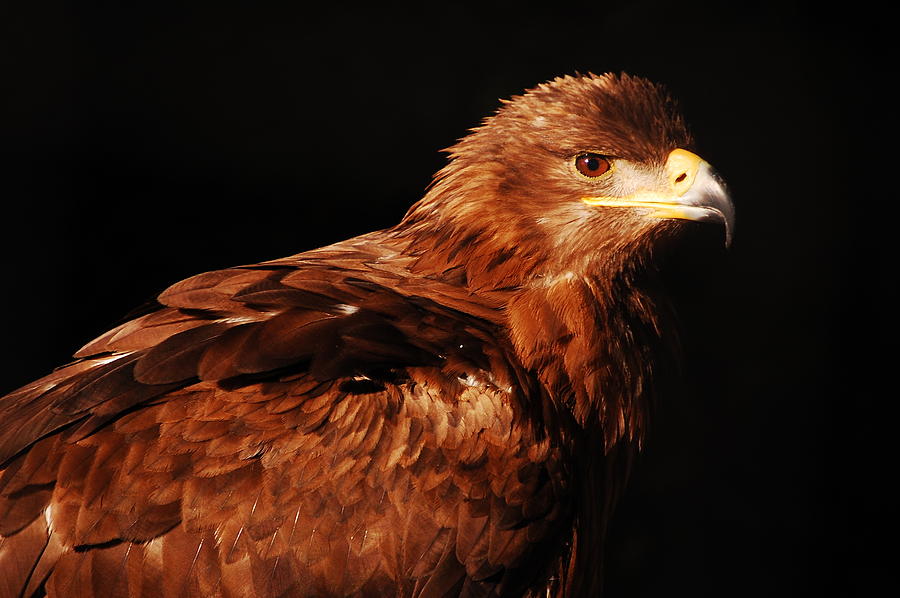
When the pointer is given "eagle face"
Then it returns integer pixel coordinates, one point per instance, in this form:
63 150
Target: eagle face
581 169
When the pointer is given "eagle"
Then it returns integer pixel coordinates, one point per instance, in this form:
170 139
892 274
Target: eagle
447 407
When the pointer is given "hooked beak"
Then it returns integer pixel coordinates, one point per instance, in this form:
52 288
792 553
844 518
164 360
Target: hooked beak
693 192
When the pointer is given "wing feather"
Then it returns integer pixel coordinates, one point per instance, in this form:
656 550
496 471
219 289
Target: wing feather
268 430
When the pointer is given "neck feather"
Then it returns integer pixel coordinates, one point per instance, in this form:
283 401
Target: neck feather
590 340
575 309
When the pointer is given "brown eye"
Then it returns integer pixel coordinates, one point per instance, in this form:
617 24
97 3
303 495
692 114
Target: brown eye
591 165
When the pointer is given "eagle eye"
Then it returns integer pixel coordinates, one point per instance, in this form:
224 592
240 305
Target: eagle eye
591 165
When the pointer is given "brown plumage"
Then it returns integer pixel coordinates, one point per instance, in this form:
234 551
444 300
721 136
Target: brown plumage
445 408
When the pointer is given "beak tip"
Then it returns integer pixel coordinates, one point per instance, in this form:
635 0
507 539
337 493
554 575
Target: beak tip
711 193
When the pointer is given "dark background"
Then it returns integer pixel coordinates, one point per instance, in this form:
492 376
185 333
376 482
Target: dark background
143 145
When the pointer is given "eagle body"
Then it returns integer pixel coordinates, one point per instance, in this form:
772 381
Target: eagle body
445 408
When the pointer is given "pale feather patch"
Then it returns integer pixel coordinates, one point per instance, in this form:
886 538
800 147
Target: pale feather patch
482 379
245 319
110 358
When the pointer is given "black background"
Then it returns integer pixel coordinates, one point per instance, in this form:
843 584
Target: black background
142 145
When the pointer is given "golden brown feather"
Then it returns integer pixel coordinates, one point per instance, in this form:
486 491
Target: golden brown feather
445 408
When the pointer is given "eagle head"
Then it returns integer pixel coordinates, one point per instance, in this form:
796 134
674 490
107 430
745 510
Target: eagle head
579 174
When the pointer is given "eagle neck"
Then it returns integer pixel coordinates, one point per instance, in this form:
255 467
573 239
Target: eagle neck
591 340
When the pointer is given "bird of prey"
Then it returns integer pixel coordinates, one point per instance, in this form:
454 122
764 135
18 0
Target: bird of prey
447 407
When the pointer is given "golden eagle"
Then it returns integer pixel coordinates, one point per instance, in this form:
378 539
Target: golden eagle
444 408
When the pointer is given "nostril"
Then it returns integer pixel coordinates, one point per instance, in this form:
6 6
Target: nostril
681 177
